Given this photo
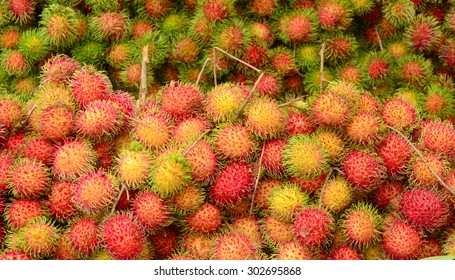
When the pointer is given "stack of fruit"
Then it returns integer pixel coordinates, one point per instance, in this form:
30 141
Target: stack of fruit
251 129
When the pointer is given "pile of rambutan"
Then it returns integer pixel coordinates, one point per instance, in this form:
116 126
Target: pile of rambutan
227 129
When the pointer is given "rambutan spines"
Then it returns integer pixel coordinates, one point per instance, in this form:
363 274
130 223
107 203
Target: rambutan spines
89 85
151 211
99 118
313 227
265 118
39 238
181 101
133 167
235 142
206 219
83 236
72 159
29 179
401 240
297 27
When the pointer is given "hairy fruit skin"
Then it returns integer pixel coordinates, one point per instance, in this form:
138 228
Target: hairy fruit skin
313 227
401 240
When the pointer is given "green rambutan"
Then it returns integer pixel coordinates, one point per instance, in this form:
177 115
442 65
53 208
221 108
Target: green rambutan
400 240
119 54
173 24
89 85
305 157
313 227
425 208
414 70
186 50
363 169
207 218
29 179
60 26
334 15
95 191
233 183
312 80
39 238
397 49
151 211
33 45
83 236
61 203
90 52
15 63
265 118
99 6
307 56
361 7
169 174
202 29
286 201
337 194
400 13
6 14
21 211
72 159
122 236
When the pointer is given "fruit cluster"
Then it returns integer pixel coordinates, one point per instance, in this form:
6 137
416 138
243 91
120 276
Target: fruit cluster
327 131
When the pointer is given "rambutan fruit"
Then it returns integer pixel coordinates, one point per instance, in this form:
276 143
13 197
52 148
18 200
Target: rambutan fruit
14 143
89 85
129 76
431 247
95 191
438 137
332 142
255 54
399 114
339 48
312 80
234 141
265 118
189 129
83 236
282 61
414 69
233 183
307 56
439 101
217 10
60 201
401 240
122 236
39 238
9 36
263 191
133 167
297 27
29 178
6 165
24 86
396 152
263 8
400 13
313 227
72 159
21 211
419 169
375 68
337 194
448 247
23 11
119 54
18 254
187 50
15 63
99 118
57 122
170 173
151 211
156 9
59 69
203 161
330 109
181 101
363 169
206 219
199 245
447 53
349 73
153 131
361 224
293 250
189 199
33 45
334 15
109 26
60 26
250 226
6 14
426 208
98 6
223 101
63 249
423 34
305 157
387 195
90 52
344 252
233 37
276 232
299 123
234 246
364 128
361 7
286 201
310 185
272 159
104 155
11 112
173 24
202 28
397 49
261 33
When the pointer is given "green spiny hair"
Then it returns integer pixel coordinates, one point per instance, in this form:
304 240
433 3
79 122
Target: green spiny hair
399 12
440 101
5 13
286 201
99 6
307 56
90 52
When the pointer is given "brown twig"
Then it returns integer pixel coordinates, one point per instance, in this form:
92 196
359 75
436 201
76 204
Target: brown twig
29 114
423 159
292 101
321 70
324 184
119 197
143 86
379 38
250 94
257 178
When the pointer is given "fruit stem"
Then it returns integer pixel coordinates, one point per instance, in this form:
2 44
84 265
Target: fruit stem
292 101
29 114
203 68
250 94
423 159
323 185
321 70
119 196
143 87
379 38
257 178
196 141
